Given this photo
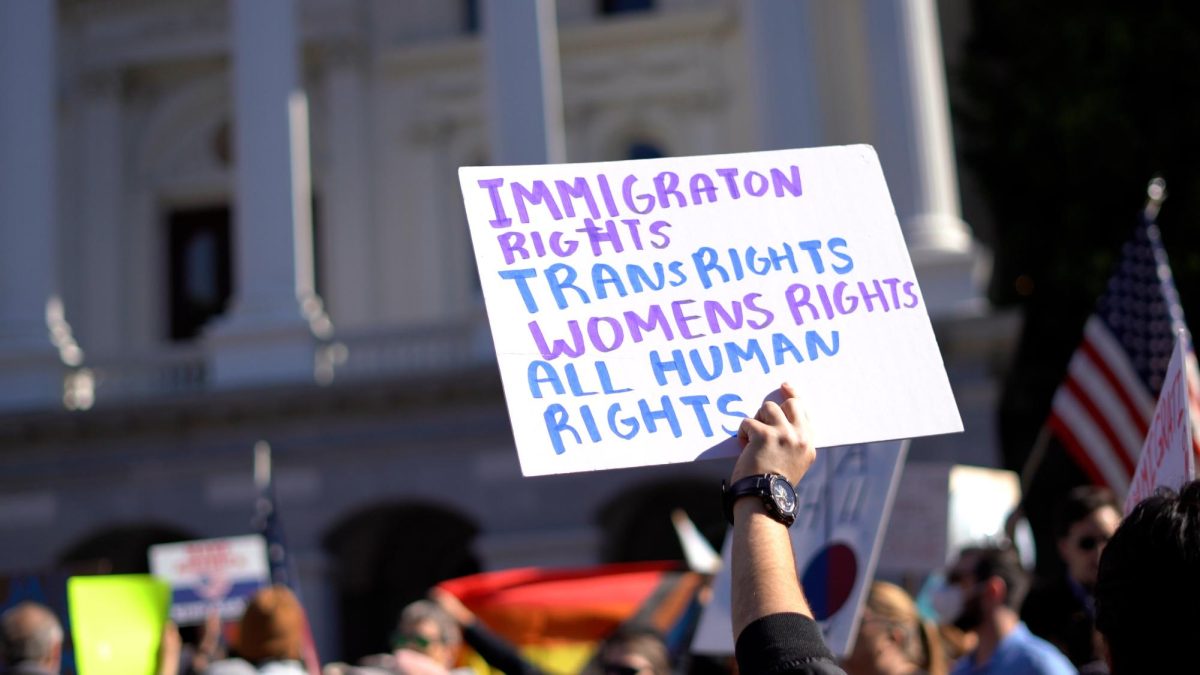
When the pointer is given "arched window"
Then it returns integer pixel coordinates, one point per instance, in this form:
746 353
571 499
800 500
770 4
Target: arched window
122 549
625 6
644 150
636 524
386 557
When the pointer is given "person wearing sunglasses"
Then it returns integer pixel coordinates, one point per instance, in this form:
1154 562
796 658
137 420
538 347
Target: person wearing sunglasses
983 594
425 638
1061 609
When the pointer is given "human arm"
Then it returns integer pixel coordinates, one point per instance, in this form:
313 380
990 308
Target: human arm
772 622
492 648
169 648
776 440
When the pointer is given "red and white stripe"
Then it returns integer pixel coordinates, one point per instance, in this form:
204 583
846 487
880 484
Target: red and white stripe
1102 410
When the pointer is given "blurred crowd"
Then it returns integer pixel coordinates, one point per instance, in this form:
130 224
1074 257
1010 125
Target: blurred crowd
984 608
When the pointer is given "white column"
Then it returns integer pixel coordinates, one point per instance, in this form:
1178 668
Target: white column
102 320
268 335
524 85
913 138
346 239
34 336
780 38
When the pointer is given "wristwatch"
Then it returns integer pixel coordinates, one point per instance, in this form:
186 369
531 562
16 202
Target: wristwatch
777 494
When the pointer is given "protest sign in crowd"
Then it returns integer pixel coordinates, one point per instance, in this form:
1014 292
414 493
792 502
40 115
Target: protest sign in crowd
645 313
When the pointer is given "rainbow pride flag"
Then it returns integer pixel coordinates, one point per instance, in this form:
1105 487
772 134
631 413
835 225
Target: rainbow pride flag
556 617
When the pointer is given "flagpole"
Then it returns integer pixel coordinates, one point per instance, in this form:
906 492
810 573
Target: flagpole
1036 456
1156 194
262 464
262 482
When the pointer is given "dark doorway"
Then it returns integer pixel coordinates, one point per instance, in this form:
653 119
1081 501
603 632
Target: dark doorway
386 557
637 523
625 6
644 150
120 550
200 269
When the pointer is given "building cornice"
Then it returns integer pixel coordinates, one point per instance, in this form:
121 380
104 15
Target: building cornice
257 406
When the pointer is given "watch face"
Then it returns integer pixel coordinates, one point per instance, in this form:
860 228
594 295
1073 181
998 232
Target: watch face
784 495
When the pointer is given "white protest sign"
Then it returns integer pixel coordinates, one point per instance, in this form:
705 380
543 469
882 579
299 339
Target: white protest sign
640 309
208 574
940 508
845 499
1167 457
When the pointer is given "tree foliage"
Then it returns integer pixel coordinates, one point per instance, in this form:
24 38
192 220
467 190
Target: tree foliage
1066 110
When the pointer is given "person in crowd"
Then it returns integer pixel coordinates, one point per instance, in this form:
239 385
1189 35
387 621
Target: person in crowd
629 650
632 650
893 639
31 640
498 653
270 637
1062 610
426 635
206 645
426 641
1148 586
990 584
339 668
956 643
773 626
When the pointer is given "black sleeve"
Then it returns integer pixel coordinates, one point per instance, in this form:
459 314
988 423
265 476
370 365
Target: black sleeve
784 643
499 654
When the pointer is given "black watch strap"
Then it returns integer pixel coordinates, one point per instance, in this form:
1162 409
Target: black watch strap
755 486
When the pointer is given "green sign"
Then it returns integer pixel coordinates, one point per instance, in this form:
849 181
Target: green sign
117 622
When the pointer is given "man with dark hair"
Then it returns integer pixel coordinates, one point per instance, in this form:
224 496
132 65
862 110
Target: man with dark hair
1149 586
30 640
1061 610
990 584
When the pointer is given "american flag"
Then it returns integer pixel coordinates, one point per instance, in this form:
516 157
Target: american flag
1103 408
266 520
268 524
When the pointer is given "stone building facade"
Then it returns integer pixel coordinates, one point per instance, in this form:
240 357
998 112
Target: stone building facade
226 221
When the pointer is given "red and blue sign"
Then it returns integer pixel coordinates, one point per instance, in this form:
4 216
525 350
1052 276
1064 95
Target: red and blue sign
211 575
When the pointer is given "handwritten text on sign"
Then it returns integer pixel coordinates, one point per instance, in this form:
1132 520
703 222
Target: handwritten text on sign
641 309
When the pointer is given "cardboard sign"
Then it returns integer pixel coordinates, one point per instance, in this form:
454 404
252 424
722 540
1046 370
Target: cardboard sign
211 574
941 508
117 623
641 309
1167 457
845 500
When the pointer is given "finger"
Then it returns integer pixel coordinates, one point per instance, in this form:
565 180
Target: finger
749 430
770 413
795 411
788 390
